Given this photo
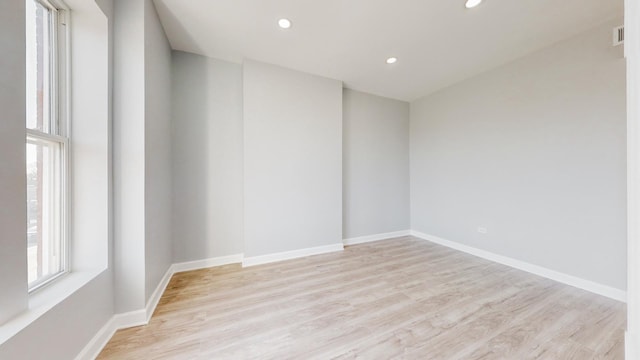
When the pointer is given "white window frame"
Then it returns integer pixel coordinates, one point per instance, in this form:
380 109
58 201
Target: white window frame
60 129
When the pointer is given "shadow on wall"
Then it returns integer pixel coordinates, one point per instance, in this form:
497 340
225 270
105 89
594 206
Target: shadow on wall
207 157
190 156
173 25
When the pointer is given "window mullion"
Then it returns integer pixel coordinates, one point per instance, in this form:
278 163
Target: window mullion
46 137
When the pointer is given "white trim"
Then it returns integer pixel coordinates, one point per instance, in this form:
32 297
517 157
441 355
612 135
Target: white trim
207 263
632 53
571 280
130 319
294 254
102 337
99 341
157 293
376 237
631 345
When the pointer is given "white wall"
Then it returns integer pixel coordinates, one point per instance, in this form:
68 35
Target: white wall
129 154
91 226
535 152
142 153
292 160
13 267
207 157
632 52
375 164
157 143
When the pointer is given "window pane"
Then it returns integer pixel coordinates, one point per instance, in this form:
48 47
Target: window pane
38 34
45 255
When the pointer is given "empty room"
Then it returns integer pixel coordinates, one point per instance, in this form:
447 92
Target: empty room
337 179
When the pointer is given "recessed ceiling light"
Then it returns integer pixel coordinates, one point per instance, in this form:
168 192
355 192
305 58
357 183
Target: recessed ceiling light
284 23
472 3
391 60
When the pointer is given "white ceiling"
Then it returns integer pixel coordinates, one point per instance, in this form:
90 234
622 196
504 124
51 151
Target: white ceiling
437 42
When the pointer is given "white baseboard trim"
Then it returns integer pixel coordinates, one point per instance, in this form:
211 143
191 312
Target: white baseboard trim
631 345
157 294
288 255
115 323
130 319
376 237
207 263
98 342
143 316
571 280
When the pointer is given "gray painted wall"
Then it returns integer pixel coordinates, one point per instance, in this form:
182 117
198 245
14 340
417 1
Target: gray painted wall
157 143
13 264
207 157
292 160
376 164
535 152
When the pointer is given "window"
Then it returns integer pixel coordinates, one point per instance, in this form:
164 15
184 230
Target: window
46 143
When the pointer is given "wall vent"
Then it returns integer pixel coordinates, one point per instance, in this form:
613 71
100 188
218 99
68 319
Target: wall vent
618 36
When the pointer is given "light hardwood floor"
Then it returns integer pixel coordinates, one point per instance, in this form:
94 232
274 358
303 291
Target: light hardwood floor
400 298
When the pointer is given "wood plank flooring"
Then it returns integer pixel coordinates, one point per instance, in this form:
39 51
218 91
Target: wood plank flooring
401 298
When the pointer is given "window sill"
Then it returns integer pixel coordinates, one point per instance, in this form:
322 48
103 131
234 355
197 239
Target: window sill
45 299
